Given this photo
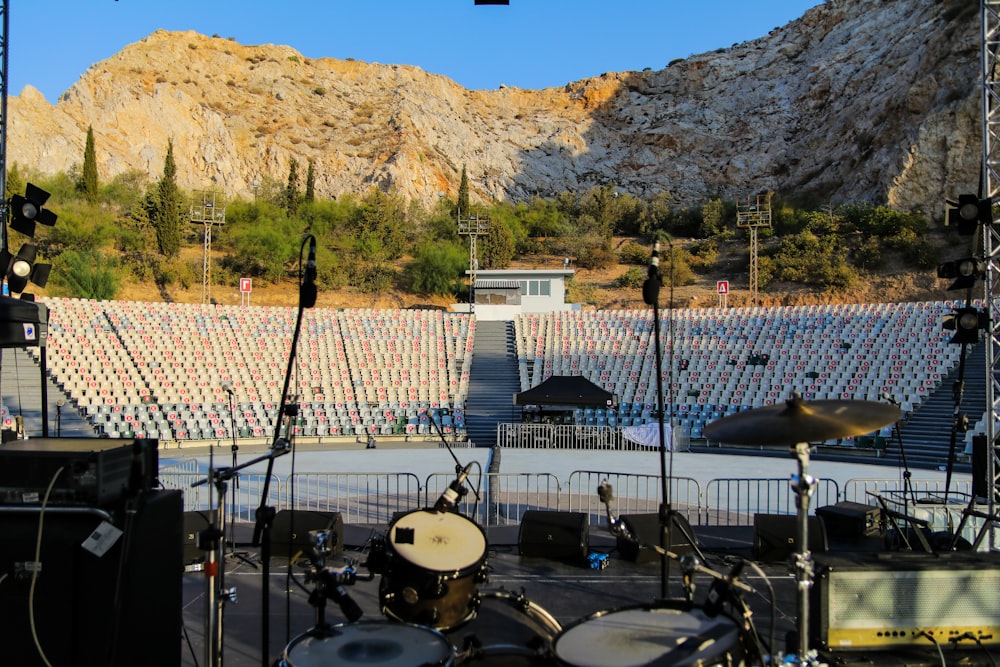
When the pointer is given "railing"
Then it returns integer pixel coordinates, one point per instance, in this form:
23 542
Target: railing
374 498
733 502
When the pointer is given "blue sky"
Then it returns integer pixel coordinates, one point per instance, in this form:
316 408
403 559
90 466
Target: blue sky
530 44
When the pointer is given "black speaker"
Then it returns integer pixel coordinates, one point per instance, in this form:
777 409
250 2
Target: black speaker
119 606
646 529
774 536
290 532
554 535
850 521
194 524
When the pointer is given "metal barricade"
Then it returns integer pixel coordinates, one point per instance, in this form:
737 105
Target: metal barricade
733 502
633 494
243 493
857 490
503 497
361 498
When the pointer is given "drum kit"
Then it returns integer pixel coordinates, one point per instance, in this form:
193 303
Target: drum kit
436 610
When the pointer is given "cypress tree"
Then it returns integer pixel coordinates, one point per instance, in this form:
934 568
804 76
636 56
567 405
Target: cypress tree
310 183
89 182
167 218
463 195
292 189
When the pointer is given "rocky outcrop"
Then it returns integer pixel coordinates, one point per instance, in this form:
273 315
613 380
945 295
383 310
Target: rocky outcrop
858 99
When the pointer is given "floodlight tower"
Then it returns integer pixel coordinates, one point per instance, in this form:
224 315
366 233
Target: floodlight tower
753 215
207 209
473 226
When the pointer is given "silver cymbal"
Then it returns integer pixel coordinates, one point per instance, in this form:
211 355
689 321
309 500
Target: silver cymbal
796 421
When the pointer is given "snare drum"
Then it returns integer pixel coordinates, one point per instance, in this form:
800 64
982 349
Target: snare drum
435 562
660 636
508 629
381 642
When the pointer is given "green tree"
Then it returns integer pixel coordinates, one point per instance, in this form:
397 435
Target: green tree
84 274
292 188
88 182
496 249
436 268
165 208
712 218
463 195
310 195
15 182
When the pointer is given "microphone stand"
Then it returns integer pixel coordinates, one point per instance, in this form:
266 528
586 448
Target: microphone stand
908 494
265 513
651 295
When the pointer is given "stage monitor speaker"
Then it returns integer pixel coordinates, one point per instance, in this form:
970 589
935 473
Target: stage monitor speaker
290 533
850 521
889 600
194 524
116 607
554 535
646 529
774 536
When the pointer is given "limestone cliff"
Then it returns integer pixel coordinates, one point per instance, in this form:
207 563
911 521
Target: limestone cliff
857 99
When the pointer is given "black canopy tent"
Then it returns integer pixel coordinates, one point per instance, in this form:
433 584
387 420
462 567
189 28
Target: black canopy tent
574 390
26 324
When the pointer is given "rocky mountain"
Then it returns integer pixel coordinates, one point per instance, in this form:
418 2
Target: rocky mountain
857 99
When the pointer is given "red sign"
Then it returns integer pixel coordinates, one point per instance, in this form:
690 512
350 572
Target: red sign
245 285
722 286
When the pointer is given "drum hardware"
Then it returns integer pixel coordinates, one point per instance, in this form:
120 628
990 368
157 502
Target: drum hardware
796 423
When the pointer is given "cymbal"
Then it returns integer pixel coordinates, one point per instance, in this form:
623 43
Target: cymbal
796 421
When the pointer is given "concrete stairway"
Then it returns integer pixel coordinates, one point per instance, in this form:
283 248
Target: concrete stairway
493 381
927 433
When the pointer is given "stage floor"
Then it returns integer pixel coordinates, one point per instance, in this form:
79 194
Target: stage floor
566 593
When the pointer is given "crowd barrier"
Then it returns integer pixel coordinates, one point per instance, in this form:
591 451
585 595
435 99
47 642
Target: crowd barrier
500 499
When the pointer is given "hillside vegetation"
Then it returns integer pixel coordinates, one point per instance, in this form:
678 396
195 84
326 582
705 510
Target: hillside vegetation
379 250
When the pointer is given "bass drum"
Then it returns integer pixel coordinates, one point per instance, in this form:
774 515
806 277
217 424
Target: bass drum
435 562
508 629
384 643
656 636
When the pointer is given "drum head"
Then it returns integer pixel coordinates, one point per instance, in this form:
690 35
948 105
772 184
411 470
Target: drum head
638 636
383 643
438 541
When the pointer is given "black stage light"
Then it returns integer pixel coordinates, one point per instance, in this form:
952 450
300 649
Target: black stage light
968 212
965 272
20 269
966 323
27 210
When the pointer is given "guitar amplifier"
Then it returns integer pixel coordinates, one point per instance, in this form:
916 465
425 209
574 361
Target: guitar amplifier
894 600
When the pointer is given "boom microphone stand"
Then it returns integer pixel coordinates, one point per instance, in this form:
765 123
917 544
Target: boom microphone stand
265 512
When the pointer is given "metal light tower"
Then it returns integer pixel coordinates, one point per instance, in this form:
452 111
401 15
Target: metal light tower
990 61
207 209
472 227
756 213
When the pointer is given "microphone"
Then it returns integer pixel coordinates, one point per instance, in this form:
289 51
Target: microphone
227 387
651 288
606 494
307 291
889 399
333 580
722 589
454 492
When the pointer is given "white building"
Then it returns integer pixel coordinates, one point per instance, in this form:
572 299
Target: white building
503 293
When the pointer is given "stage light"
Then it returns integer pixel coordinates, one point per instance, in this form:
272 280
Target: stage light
965 272
966 323
20 269
968 212
27 210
